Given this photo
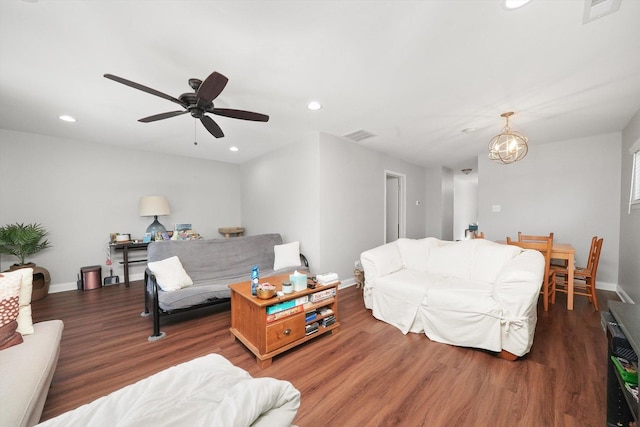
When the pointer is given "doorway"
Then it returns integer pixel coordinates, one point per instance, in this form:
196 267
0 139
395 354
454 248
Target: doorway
394 209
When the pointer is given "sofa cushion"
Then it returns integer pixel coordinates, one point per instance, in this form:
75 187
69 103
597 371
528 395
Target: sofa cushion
286 255
489 258
453 260
9 308
170 274
414 253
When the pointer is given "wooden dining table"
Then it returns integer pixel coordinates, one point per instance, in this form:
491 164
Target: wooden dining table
564 251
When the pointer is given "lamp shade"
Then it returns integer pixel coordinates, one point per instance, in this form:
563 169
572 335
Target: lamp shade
154 206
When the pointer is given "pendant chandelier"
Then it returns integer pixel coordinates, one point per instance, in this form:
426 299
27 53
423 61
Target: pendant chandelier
508 146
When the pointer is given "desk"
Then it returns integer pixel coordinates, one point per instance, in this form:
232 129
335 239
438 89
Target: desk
125 247
567 252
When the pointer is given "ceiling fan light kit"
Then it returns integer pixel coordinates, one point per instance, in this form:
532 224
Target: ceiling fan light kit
197 103
508 146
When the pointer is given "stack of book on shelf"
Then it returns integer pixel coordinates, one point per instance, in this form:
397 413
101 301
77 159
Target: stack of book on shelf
286 308
329 320
322 295
629 374
311 328
327 278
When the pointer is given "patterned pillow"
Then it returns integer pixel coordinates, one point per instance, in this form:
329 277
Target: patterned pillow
25 322
9 308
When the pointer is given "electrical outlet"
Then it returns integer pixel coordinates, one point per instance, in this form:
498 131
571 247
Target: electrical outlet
496 208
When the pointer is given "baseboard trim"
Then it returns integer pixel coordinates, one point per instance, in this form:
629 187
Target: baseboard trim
73 286
624 296
606 286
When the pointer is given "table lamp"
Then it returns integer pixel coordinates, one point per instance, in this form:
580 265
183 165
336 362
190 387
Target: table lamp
154 206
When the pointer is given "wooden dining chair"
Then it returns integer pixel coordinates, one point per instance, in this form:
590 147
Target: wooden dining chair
480 235
543 244
584 278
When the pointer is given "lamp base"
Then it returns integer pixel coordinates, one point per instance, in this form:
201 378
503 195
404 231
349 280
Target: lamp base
156 229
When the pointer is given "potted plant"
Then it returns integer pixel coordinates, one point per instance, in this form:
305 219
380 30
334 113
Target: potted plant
21 241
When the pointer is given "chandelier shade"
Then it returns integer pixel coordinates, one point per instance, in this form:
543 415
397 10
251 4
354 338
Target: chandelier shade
508 146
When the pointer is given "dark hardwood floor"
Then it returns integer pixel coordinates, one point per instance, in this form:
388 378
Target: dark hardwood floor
368 374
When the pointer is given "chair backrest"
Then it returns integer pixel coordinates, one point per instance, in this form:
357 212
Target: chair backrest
594 259
533 238
543 244
594 241
480 235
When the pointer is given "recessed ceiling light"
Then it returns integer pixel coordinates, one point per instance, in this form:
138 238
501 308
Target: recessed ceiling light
514 4
314 105
234 148
67 118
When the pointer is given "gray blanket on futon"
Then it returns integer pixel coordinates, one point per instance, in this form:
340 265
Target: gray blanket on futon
213 264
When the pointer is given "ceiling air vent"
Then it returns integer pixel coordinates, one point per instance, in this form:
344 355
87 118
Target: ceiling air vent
594 9
359 135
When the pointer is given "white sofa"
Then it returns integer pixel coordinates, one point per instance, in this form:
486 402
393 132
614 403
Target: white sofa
26 372
472 293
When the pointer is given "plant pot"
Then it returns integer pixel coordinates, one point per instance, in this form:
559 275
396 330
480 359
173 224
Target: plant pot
41 280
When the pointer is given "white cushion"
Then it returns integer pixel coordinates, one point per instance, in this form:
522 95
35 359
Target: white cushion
170 274
286 255
489 258
452 260
414 253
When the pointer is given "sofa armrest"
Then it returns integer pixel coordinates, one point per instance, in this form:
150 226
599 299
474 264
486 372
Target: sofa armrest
519 282
380 261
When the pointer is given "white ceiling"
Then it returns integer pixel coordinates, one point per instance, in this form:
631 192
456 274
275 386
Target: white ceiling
414 73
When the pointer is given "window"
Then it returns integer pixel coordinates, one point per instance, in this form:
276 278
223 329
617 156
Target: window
634 197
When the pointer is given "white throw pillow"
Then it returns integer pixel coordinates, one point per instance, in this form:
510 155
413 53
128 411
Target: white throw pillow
170 274
286 255
25 321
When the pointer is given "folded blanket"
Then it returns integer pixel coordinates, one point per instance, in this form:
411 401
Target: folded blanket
208 391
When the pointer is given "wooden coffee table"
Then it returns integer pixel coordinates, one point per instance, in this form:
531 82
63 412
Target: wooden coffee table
266 339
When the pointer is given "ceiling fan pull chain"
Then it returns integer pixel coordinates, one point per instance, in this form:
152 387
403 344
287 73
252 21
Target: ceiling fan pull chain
195 139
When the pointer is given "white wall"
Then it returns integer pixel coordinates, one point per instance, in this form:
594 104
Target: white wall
329 195
465 203
352 186
280 195
629 269
82 192
439 203
571 188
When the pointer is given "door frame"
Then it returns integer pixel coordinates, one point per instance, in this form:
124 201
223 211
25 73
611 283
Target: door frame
402 203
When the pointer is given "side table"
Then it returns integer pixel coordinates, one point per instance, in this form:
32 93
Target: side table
266 339
125 247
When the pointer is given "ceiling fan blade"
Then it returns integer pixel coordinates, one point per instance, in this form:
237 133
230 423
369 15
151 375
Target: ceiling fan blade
162 116
240 114
212 126
144 89
210 88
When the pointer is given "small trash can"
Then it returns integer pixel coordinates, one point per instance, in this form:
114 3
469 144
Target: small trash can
91 277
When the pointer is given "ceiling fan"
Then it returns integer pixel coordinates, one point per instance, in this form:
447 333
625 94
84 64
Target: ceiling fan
197 103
